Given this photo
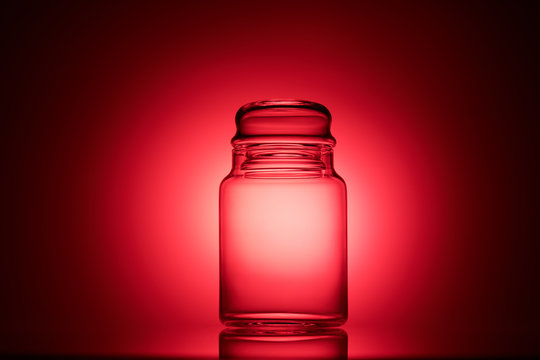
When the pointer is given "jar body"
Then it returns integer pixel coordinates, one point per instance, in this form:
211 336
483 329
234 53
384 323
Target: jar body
283 238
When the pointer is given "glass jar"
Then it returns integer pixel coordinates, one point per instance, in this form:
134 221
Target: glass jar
283 220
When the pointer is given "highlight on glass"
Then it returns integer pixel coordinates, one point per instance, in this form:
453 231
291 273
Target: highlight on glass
283 220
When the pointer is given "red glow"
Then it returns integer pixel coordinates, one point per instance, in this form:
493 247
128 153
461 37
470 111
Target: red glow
119 126
159 172
161 183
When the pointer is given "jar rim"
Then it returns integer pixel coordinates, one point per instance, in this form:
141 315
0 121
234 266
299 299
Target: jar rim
283 120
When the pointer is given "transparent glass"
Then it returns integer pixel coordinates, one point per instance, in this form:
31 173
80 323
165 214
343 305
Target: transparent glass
283 220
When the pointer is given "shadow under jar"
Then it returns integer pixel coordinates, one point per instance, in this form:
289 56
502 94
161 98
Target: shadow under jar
283 220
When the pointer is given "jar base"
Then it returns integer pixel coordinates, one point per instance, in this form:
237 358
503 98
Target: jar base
281 320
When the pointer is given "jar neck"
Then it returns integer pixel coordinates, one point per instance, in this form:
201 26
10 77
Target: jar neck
282 160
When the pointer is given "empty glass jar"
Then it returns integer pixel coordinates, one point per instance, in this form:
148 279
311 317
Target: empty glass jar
283 220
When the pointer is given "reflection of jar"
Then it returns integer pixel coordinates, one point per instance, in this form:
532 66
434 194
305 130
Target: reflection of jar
248 344
283 220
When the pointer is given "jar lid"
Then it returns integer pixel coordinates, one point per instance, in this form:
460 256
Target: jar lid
283 121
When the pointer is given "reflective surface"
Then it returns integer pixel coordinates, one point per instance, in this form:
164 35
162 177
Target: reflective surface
213 342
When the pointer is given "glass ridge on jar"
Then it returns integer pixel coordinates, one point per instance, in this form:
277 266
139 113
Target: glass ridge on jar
283 220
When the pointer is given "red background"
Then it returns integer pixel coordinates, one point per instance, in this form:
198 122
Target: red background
117 119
